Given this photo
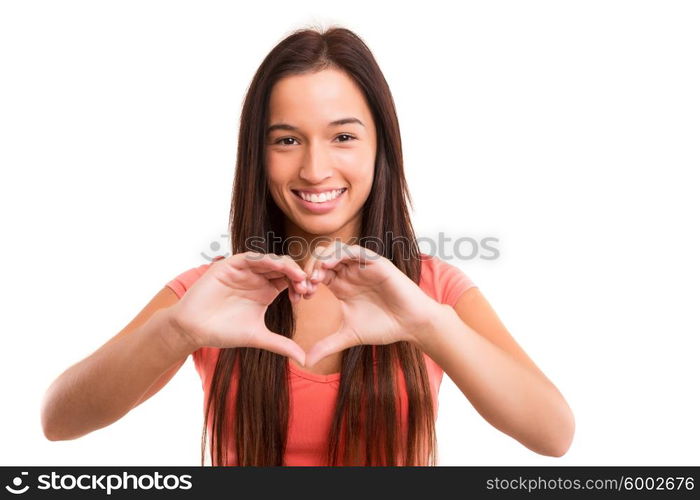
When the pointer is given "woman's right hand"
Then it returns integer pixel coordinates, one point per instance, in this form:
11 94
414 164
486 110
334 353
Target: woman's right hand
226 306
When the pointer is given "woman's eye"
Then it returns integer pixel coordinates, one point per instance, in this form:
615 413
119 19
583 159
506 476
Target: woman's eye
279 141
346 135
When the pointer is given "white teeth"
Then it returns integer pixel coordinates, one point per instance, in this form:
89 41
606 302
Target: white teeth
322 197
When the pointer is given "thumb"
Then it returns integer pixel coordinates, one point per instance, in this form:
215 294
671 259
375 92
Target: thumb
335 342
273 342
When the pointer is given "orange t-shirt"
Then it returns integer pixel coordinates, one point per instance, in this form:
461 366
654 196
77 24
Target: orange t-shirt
312 397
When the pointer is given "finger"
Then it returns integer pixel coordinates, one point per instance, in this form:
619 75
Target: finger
325 276
321 254
263 263
266 263
340 255
308 268
349 254
302 285
294 296
335 342
279 344
280 281
273 274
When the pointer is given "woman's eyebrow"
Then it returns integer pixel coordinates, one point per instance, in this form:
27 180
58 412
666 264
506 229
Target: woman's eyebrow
335 123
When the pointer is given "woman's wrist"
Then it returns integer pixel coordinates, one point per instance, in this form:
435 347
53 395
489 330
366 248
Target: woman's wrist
426 328
179 340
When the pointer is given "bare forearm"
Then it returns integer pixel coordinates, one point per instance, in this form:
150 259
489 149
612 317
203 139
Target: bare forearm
512 397
105 386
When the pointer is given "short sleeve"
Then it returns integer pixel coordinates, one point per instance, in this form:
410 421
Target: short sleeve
455 283
448 282
180 283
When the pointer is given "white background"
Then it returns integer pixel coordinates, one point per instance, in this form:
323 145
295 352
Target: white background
567 130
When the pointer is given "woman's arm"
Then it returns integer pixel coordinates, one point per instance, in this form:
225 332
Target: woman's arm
121 374
494 373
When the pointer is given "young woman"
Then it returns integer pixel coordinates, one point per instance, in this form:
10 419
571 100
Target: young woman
344 367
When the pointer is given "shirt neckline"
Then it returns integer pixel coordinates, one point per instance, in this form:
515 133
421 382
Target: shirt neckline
312 376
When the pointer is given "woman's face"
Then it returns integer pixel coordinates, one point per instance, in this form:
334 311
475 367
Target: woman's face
319 153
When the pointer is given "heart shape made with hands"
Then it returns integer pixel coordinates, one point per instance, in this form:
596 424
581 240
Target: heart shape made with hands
380 305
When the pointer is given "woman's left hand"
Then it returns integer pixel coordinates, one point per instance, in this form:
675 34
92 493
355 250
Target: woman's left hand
380 305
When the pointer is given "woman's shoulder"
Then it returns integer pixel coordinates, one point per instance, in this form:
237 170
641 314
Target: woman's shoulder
445 282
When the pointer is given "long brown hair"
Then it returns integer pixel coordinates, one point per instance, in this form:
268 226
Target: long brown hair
366 427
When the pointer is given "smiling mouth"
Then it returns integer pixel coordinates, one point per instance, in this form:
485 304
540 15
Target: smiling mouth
320 198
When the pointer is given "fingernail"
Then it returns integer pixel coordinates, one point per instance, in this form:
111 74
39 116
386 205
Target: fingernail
314 275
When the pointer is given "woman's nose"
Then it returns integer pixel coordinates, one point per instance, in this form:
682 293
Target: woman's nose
316 165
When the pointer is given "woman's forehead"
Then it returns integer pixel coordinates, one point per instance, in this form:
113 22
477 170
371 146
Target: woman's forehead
323 96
